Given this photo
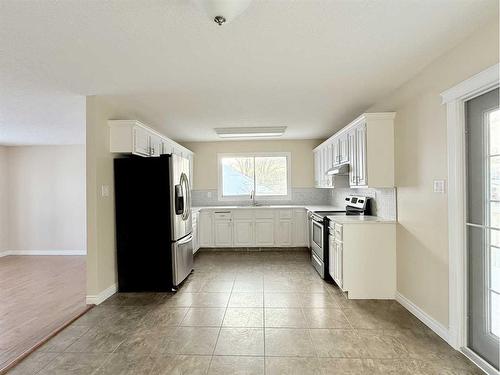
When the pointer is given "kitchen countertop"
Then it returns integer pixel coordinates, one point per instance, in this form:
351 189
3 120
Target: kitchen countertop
361 219
277 206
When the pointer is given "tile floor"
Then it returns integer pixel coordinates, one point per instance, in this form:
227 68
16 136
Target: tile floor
247 313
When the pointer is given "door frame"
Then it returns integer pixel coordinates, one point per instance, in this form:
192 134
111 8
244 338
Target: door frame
455 99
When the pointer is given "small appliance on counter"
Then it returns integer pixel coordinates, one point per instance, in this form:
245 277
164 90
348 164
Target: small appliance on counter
153 223
319 230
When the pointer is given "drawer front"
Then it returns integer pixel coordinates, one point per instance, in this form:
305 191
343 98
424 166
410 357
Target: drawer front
243 214
264 214
338 232
285 214
222 215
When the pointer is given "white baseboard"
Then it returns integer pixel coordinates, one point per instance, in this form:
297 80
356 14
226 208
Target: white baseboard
479 362
97 299
429 321
43 252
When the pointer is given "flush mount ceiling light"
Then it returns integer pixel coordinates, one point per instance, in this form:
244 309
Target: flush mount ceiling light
253 132
222 11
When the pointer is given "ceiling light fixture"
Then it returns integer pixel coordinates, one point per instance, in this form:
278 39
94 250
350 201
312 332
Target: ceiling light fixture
222 11
251 132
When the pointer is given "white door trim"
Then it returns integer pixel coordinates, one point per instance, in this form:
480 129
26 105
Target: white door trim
455 99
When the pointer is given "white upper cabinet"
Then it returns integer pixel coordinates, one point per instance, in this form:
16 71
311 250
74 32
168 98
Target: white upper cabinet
367 144
359 163
156 145
140 141
133 137
343 147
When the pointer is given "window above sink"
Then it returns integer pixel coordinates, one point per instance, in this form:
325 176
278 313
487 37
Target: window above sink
264 176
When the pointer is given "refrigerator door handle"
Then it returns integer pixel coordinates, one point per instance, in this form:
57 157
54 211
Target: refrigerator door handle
185 240
186 195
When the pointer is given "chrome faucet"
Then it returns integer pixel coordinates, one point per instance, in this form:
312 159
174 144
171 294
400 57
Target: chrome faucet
252 197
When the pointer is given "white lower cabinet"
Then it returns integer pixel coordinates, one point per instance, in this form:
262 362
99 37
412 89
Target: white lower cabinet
243 233
196 241
205 229
247 227
283 232
335 261
264 232
362 259
223 233
300 230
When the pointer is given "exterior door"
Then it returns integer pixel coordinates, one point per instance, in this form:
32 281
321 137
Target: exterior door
483 225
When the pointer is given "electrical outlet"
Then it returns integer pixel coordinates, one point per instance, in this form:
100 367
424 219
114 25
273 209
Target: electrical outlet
104 191
439 186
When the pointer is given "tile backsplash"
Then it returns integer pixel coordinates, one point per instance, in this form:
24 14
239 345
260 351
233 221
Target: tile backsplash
383 202
310 196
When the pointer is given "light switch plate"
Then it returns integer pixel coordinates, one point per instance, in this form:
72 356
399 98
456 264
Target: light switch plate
105 191
439 186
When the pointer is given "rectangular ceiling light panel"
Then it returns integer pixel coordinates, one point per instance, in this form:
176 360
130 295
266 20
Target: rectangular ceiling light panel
250 132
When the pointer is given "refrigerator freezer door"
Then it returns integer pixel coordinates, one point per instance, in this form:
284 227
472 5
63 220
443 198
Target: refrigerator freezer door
180 197
182 255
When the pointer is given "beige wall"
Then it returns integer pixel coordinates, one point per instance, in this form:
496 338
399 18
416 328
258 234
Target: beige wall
101 249
421 154
46 198
3 200
205 160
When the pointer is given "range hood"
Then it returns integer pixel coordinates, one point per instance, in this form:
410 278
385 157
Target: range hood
339 170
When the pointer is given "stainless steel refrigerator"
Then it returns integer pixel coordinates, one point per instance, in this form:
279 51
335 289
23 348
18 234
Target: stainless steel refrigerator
153 223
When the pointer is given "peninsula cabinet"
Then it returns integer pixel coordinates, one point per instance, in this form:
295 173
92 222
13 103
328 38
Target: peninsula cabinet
252 227
366 145
362 258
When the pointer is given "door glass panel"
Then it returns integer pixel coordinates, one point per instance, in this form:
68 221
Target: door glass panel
495 214
483 216
495 314
495 178
495 268
494 132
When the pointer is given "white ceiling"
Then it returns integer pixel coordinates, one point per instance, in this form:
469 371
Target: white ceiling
311 65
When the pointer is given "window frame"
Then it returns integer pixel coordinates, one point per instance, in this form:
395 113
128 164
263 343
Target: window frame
236 198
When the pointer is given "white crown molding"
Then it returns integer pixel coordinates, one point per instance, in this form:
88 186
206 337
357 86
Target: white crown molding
97 299
43 252
473 86
425 318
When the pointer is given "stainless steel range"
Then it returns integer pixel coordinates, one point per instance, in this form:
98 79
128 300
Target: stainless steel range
318 230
